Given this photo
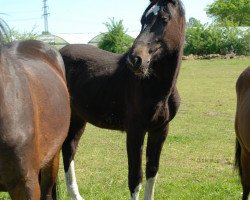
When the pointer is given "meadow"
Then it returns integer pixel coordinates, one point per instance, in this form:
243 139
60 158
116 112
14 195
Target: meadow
198 156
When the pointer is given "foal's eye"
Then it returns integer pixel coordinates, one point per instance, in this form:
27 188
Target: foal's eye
165 14
165 9
165 18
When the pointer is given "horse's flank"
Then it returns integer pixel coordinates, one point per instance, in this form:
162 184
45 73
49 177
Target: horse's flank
242 129
34 110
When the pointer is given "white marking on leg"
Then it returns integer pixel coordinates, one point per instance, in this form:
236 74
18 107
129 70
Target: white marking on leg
135 195
150 188
72 187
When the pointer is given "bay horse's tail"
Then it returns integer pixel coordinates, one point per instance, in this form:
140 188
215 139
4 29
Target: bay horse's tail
237 162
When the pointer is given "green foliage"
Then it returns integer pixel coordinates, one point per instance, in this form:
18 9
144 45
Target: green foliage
213 39
233 11
15 35
4 30
115 40
7 34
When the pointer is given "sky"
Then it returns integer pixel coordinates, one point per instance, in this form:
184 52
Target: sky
84 16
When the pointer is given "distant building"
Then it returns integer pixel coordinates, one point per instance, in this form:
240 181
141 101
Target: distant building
94 41
53 40
77 38
63 39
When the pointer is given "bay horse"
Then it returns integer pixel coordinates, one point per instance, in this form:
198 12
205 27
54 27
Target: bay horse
34 118
242 129
134 92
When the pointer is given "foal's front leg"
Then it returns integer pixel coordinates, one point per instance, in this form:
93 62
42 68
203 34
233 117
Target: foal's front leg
134 149
154 146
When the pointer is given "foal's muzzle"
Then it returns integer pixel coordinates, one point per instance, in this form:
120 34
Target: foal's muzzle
134 61
138 65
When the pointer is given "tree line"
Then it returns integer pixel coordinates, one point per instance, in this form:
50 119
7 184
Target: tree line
228 33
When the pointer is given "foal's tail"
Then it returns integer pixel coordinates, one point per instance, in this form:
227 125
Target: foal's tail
237 162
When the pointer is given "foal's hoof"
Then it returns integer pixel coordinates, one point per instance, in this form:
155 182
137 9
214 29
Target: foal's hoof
76 197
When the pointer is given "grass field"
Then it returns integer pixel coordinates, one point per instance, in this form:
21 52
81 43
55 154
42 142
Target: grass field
197 159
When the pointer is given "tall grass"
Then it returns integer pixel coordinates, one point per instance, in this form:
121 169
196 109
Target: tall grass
197 158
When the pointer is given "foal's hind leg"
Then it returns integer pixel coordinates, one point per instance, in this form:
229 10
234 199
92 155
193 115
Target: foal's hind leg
48 178
68 150
154 146
245 177
135 140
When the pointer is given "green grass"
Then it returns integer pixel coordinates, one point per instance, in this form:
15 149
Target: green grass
197 158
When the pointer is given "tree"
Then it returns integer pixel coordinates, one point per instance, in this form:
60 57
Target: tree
115 40
202 39
230 11
192 22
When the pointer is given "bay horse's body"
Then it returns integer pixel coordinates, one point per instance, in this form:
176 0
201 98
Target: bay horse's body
34 118
134 92
242 129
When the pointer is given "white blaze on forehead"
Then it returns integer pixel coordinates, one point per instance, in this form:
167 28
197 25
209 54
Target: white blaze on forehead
154 9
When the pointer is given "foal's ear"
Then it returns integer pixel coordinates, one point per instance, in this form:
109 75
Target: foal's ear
154 1
173 1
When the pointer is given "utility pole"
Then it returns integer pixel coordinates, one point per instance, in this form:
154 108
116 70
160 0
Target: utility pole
45 17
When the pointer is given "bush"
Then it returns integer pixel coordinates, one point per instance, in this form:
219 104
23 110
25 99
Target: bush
213 39
4 30
115 40
15 35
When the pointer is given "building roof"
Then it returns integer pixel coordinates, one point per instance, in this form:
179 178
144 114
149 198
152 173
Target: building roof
63 39
86 38
53 40
94 41
77 38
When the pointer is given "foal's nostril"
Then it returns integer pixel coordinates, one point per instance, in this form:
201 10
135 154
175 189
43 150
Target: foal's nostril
136 61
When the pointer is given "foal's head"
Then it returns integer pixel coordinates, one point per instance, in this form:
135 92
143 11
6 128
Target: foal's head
162 33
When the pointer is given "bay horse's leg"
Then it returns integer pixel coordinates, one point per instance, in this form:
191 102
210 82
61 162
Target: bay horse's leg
29 189
48 178
245 177
69 147
134 150
154 146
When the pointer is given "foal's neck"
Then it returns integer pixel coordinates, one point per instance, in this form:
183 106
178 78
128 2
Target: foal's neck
166 70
